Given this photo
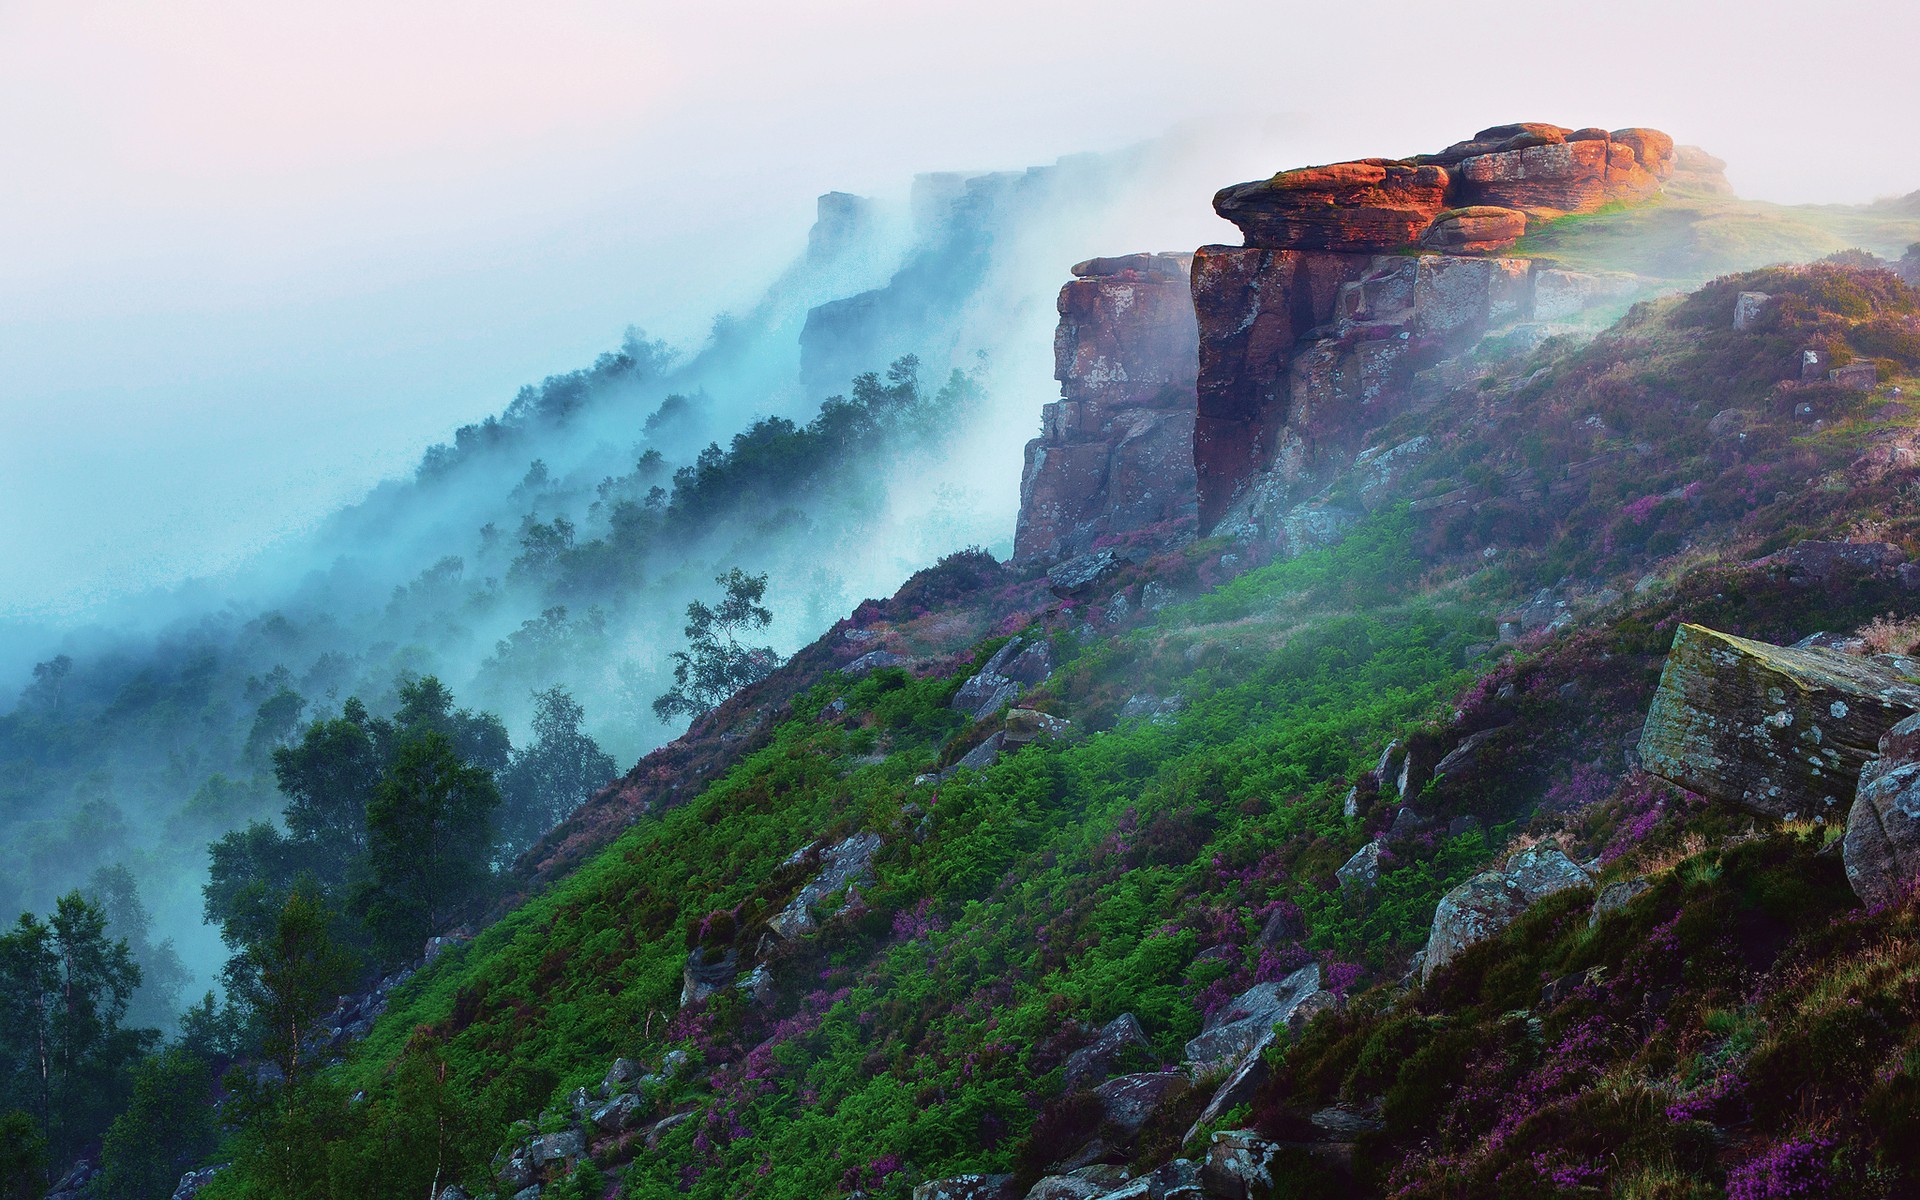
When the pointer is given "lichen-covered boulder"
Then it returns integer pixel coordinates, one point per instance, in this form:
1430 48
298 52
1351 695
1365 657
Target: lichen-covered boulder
1100 1179
1130 1101
1616 896
1118 1042
1079 576
1882 847
1782 731
1362 871
1178 1179
846 863
1491 900
193 1181
1248 1020
967 1187
1239 1166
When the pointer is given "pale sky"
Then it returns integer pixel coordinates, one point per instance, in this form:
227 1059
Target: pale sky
254 257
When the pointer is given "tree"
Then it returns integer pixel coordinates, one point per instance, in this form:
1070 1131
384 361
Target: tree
274 724
549 777
426 705
49 680
715 663
328 777
23 1157
165 1130
429 836
290 978
64 988
250 874
162 974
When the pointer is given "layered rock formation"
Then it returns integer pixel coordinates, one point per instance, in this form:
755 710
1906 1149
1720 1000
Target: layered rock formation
1114 454
1310 330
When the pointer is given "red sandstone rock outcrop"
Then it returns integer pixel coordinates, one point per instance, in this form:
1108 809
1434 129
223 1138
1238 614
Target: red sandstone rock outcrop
1481 229
1695 170
1372 204
1309 332
1115 452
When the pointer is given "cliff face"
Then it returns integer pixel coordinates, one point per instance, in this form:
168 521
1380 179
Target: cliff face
1114 455
1310 332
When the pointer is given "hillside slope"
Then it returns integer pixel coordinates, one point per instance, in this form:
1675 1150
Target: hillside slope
843 968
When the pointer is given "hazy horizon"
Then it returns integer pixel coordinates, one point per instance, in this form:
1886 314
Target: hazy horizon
255 263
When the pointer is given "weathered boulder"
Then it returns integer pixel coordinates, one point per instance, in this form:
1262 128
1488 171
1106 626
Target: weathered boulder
1491 900
1782 731
967 1187
193 1181
1819 563
1239 1166
708 970
846 863
621 1113
1099 1179
1024 725
623 1072
1118 1041
874 660
1014 667
1362 871
1856 377
1251 1073
1748 307
1084 573
1248 1021
1178 1179
986 753
558 1149
1128 1102
1367 205
1484 229
1616 896
1882 847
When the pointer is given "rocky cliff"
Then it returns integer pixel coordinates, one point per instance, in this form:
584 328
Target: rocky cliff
1115 452
1356 275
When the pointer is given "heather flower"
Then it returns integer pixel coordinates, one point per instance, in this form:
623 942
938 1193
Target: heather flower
1797 1167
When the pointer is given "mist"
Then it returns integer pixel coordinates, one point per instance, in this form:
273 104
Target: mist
256 264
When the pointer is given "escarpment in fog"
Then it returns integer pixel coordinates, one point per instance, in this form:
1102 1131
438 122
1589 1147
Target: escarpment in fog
1357 274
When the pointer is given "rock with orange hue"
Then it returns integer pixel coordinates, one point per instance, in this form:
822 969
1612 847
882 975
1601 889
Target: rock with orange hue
1566 176
1496 139
1480 230
1371 204
1115 451
1654 149
1695 170
1309 332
